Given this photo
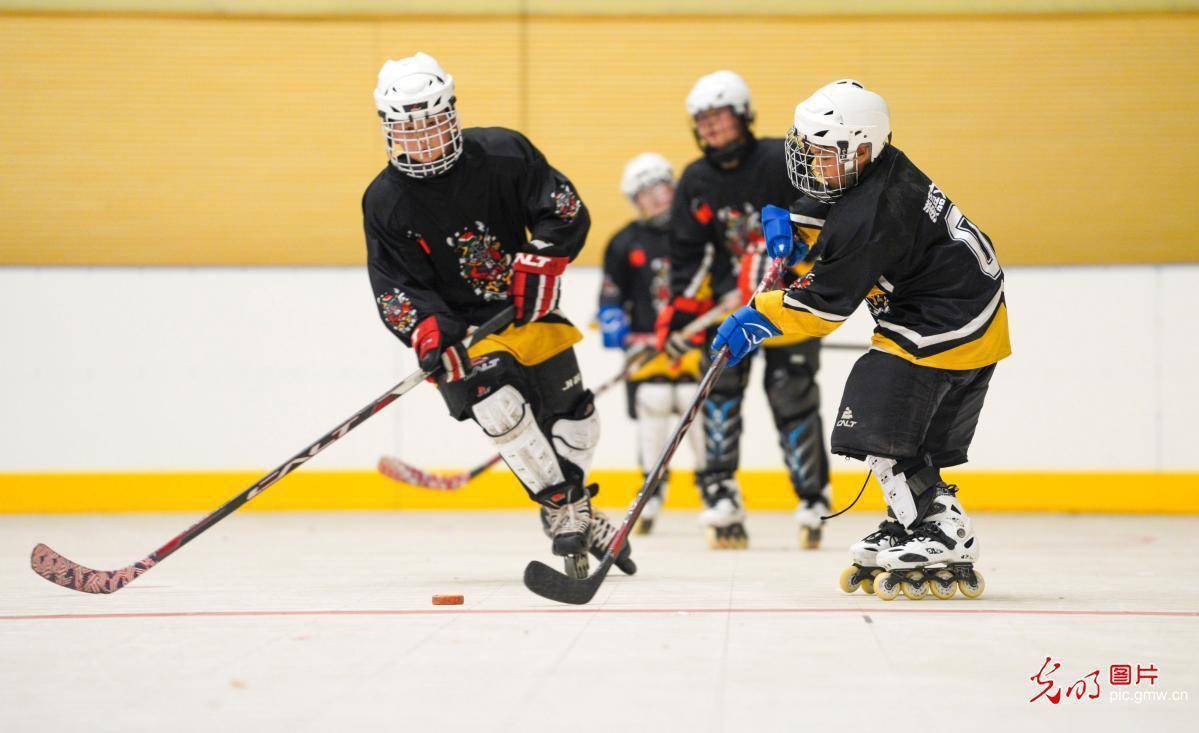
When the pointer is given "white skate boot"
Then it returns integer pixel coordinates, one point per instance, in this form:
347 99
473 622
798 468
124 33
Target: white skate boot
723 516
863 554
808 516
938 557
653 506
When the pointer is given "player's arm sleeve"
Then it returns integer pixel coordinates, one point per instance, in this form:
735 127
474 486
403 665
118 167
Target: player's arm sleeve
821 301
558 219
402 278
807 221
691 242
615 283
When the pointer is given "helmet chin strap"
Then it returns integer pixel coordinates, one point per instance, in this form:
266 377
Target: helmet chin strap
731 154
660 221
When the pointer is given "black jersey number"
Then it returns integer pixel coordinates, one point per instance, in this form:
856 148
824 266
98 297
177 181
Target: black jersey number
963 230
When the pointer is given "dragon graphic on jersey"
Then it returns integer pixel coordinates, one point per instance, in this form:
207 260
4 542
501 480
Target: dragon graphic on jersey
742 229
566 203
482 262
398 311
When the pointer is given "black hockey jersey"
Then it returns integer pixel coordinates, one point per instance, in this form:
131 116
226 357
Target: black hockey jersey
637 274
444 245
929 276
715 221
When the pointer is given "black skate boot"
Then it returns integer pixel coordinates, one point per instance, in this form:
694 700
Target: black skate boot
566 519
602 532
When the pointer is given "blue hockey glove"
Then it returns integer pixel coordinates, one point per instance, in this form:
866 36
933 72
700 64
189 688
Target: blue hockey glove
743 332
614 326
776 228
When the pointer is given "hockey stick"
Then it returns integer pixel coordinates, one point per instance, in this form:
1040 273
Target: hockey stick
61 571
549 583
406 473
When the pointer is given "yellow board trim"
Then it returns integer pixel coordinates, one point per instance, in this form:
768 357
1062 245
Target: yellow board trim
1022 491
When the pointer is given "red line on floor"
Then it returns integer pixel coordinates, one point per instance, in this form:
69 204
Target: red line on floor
644 611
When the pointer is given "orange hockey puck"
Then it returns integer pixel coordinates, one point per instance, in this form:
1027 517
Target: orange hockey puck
447 600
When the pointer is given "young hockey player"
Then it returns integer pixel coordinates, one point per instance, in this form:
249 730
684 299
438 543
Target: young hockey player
716 235
636 286
933 284
459 225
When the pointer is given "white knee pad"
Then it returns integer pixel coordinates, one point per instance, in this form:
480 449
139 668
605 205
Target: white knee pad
655 412
507 418
896 491
575 439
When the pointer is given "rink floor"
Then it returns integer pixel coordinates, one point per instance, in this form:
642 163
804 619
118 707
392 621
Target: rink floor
323 622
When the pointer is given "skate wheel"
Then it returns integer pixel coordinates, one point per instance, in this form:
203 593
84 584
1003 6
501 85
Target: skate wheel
846 581
914 586
886 586
975 589
868 583
942 585
738 538
809 538
715 541
577 566
644 526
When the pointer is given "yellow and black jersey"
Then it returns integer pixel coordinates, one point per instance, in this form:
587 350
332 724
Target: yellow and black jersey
928 275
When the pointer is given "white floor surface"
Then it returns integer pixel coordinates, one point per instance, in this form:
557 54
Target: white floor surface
322 622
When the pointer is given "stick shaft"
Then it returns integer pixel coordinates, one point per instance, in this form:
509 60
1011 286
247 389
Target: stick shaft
496 323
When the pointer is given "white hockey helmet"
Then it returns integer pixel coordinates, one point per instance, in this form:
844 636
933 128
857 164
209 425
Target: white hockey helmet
415 100
720 89
645 170
839 116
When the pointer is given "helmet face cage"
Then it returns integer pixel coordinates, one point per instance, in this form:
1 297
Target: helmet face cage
653 199
805 166
426 144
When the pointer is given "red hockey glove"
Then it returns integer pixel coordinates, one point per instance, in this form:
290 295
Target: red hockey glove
535 283
438 342
673 318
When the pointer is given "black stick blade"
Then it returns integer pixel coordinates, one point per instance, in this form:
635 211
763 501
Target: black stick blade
549 583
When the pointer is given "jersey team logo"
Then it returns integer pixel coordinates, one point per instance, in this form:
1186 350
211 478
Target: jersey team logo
398 311
742 229
566 203
878 303
483 264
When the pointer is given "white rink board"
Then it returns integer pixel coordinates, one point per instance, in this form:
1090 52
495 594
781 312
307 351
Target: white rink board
177 369
305 621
